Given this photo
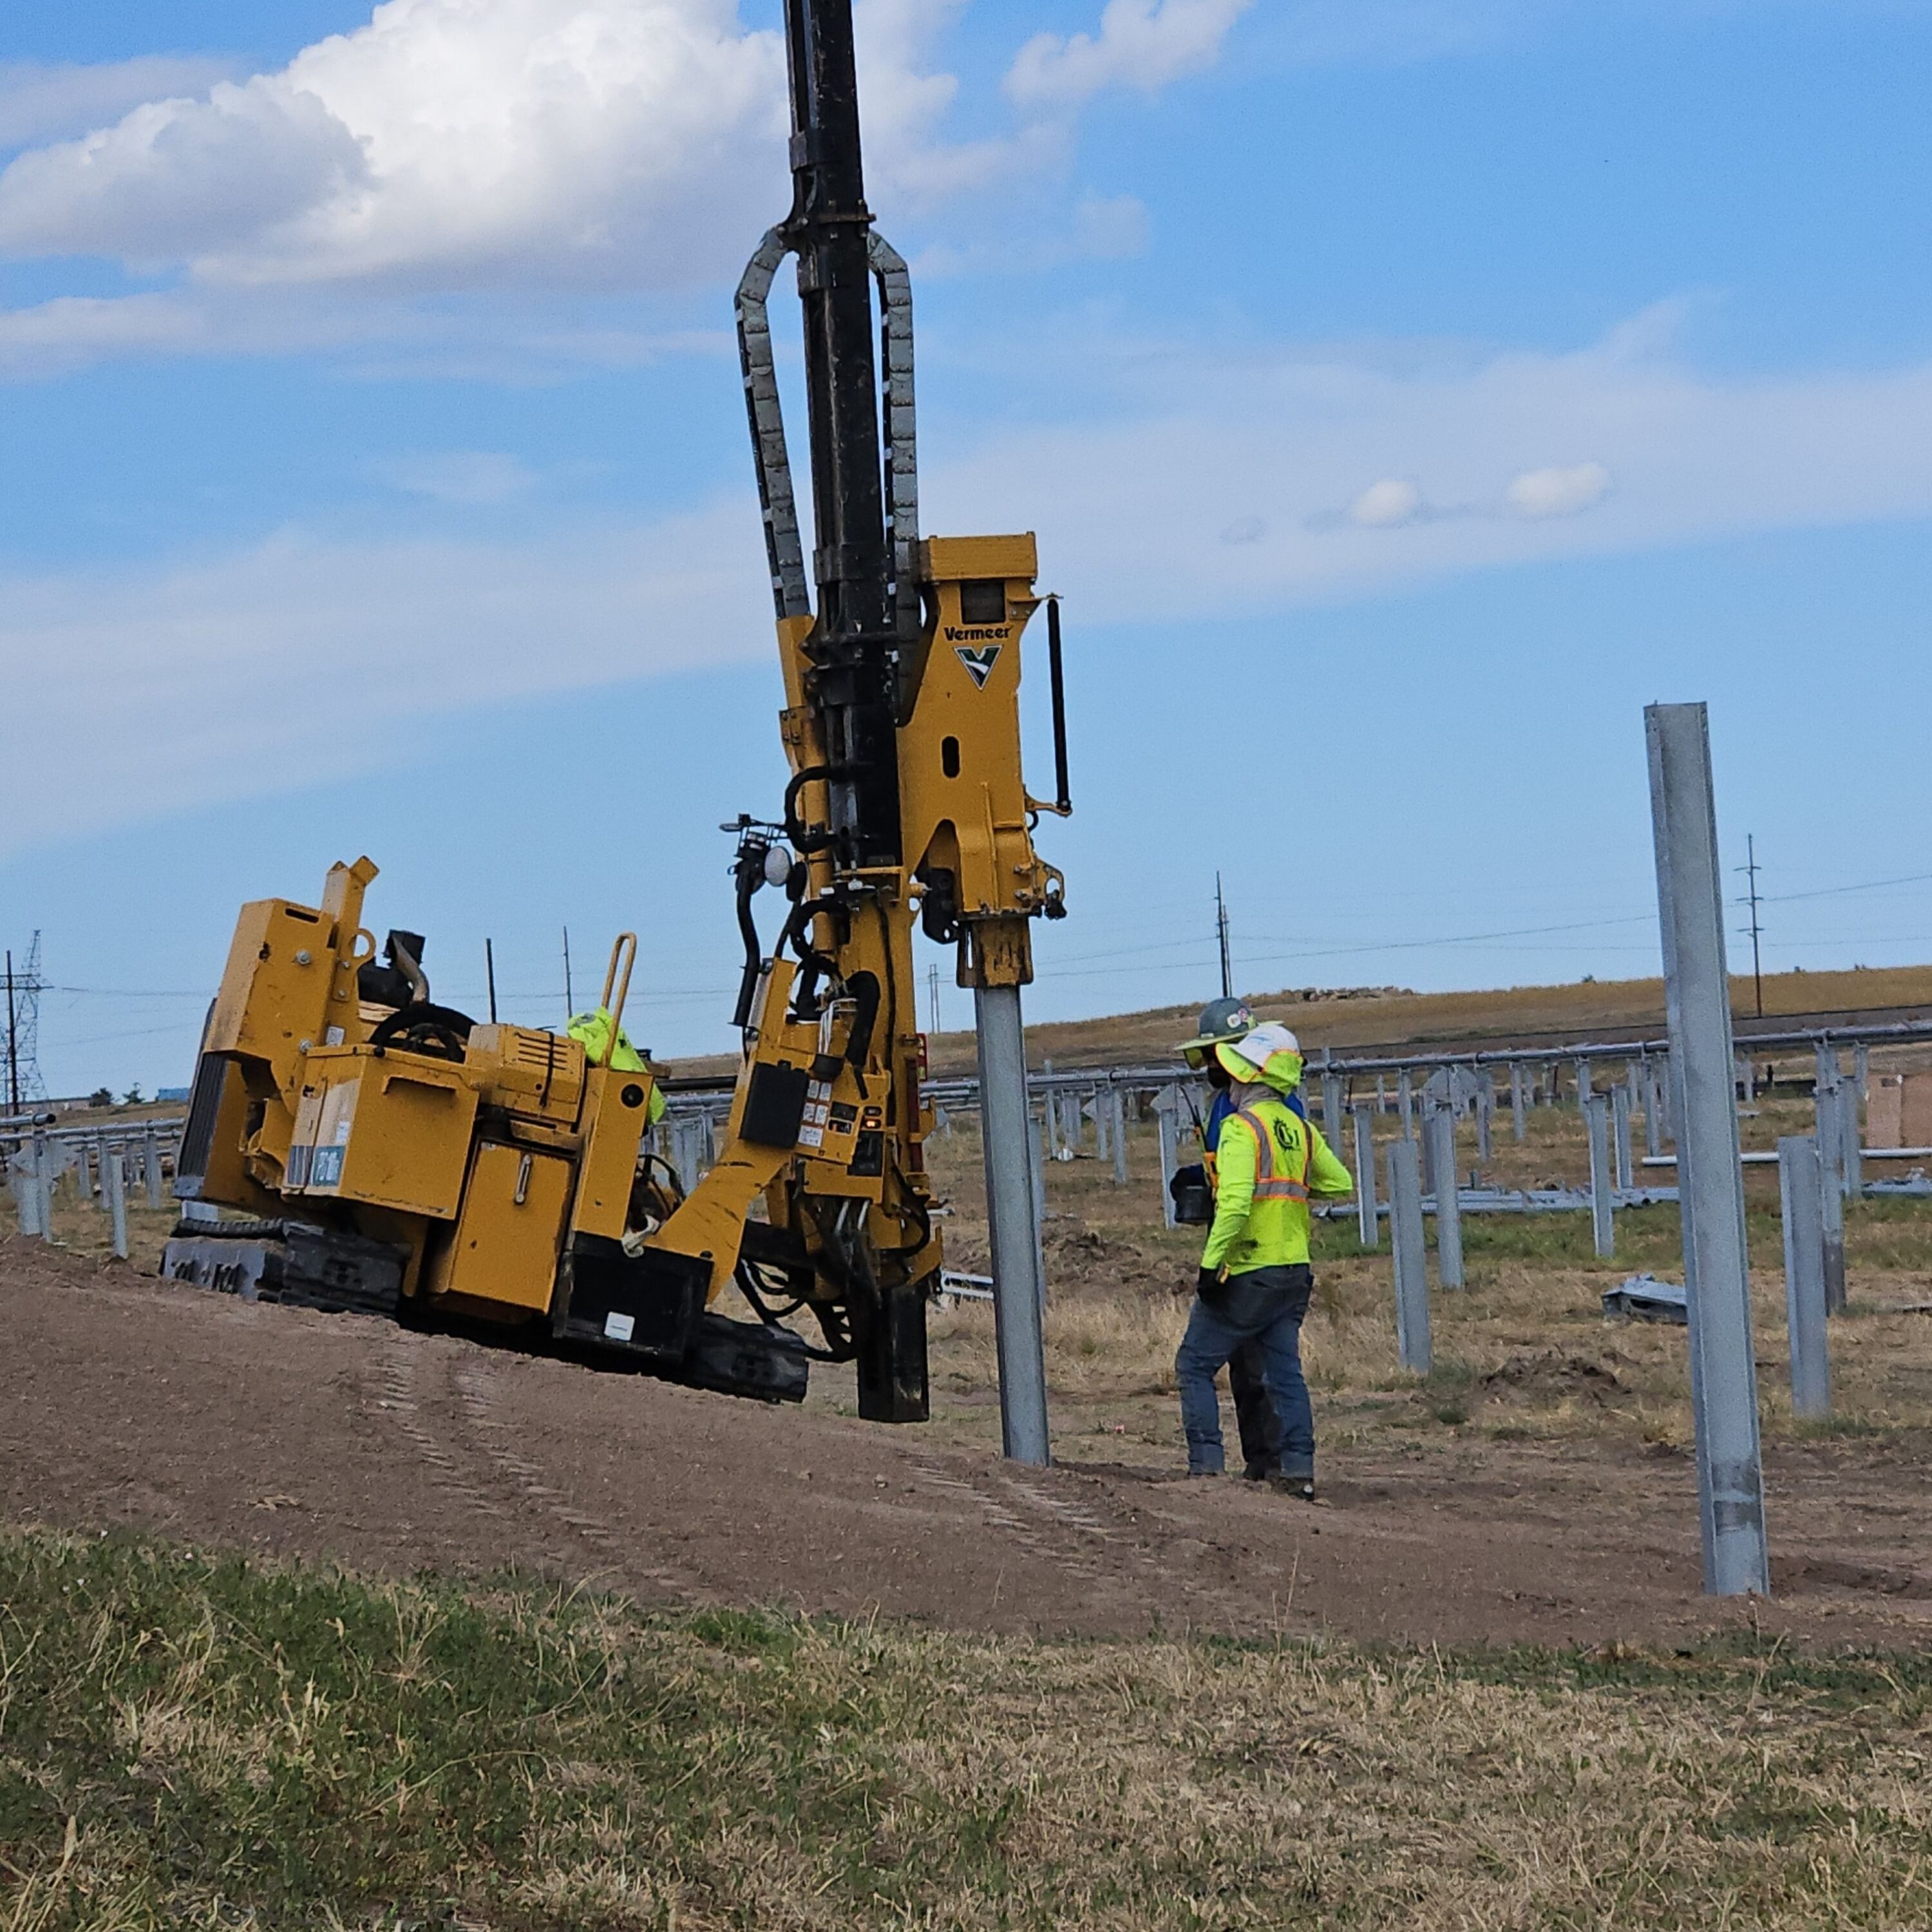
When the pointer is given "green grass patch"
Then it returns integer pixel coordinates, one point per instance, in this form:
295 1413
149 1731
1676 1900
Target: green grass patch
190 1740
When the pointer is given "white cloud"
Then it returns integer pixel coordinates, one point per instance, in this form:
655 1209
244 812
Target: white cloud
508 340
1387 505
1199 496
1141 43
1557 493
611 144
1139 502
471 477
446 142
196 682
41 100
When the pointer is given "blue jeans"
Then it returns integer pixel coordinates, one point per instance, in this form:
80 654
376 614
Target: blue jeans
1265 1306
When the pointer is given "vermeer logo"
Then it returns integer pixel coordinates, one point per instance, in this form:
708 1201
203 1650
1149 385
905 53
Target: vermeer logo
979 663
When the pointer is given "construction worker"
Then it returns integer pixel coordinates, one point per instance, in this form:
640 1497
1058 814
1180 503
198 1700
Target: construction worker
1255 1279
1223 1021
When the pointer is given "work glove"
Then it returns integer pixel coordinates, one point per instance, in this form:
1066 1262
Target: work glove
1207 1282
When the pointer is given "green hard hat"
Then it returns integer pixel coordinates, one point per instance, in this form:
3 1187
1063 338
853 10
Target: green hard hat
1221 1020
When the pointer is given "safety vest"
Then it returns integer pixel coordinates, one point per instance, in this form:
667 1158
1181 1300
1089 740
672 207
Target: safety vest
1220 1112
1269 1229
1276 1178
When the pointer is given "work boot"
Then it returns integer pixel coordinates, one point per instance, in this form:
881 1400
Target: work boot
1302 1488
1260 1472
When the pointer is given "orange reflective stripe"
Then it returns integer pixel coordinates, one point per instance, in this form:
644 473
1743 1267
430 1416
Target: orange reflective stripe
1270 1186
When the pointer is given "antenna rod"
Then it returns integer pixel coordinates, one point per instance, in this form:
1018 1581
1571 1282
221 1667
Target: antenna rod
569 997
490 974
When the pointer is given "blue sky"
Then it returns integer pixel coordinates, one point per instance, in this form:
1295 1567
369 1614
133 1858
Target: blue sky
1404 392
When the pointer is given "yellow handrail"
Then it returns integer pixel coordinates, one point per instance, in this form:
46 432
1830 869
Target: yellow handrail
623 989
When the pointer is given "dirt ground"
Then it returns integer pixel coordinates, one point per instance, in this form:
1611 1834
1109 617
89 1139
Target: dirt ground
126 1401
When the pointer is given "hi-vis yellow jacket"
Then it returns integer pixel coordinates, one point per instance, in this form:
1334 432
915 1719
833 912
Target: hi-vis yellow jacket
592 1031
1270 1162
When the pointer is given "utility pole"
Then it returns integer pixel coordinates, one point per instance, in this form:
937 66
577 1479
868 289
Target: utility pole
569 997
12 1053
1221 933
1750 898
932 980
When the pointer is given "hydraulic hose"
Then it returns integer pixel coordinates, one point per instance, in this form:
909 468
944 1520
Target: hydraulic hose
751 875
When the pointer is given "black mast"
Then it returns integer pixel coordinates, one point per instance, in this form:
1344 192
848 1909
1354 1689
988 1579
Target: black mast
854 647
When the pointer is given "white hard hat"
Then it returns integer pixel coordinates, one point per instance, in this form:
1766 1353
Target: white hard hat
1267 1040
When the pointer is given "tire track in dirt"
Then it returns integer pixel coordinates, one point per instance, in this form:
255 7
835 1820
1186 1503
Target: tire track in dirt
395 1366
618 1555
1123 1559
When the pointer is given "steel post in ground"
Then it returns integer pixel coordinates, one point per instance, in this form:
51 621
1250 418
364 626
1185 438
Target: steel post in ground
1851 1140
1800 1196
1653 1113
1584 1088
1406 1244
151 1167
1519 1120
1603 1223
1486 1101
1365 1177
1832 1213
1439 1126
1117 1108
83 1176
1012 1212
1861 1070
1331 1112
25 1183
114 1186
1405 1101
43 1179
1167 1123
1828 1129
1381 1095
1620 1136
1723 1376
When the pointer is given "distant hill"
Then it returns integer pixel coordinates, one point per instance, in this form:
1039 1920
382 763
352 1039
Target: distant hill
1353 1018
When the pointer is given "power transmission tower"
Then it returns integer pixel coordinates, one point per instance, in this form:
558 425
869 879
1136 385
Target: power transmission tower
933 981
1750 898
1221 934
24 1083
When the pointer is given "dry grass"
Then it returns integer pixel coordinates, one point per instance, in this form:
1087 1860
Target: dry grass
185 1741
1522 1352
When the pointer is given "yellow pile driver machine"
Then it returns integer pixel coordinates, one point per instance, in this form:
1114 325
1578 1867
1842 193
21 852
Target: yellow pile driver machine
392 1154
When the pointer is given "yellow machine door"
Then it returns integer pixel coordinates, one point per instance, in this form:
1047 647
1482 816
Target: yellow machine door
504 1248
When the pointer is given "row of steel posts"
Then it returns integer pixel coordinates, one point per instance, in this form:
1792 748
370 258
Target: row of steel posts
39 1163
